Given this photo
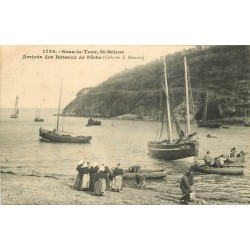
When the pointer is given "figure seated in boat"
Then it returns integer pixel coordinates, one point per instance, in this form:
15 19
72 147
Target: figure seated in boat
241 154
90 120
233 152
208 160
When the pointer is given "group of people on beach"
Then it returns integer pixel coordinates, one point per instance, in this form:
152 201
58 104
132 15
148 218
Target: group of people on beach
97 177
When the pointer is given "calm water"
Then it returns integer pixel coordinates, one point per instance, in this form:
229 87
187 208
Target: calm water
118 141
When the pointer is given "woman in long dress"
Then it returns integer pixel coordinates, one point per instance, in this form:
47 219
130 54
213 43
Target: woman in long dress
79 177
86 176
107 174
117 178
93 172
100 182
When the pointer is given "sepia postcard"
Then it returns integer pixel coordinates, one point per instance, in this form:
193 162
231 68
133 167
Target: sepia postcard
125 125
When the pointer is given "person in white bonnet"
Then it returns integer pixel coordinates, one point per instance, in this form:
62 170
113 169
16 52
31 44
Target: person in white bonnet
86 177
78 181
117 178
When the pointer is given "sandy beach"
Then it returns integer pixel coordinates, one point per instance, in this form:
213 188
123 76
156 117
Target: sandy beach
35 190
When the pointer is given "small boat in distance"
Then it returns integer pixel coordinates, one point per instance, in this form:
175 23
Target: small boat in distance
56 135
93 121
247 124
37 118
184 146
15 113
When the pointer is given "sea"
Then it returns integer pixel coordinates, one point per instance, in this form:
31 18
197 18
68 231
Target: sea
118 141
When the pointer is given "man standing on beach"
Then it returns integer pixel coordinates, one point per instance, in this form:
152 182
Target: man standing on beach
186 183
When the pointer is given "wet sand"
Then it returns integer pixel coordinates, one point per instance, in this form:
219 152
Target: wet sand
35 190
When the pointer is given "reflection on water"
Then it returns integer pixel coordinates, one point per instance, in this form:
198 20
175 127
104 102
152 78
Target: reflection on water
118 141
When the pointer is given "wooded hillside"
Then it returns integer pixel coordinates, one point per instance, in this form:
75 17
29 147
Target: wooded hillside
224 71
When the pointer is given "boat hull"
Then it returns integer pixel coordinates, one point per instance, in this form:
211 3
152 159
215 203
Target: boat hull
234 169
14 116
94 123
151 175
65 138
173 151
209 124
38 120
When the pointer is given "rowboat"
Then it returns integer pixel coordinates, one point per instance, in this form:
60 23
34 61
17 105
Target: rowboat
227 169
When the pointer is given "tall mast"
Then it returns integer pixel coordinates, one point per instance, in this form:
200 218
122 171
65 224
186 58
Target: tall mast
187 98
204 116
58 112
167 101
39 111
15 111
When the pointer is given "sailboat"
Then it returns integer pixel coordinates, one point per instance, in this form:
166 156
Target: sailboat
57 135
205 122
15 113
182 147
37 118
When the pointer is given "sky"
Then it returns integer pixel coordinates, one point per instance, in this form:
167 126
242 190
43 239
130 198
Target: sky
26 72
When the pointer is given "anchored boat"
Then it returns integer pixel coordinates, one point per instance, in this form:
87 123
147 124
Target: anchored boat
182 147
62 136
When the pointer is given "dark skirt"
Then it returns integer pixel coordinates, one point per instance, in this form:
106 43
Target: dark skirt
98 187
92 181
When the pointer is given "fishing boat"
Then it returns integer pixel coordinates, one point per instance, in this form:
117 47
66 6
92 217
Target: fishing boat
182 147
57 135
205 122
15 113
227 169
93 121
37 118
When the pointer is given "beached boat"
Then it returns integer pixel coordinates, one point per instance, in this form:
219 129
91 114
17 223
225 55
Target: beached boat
15 113
205 122
62 136
138 169
37 118
151 175
227 169
93 122
182 147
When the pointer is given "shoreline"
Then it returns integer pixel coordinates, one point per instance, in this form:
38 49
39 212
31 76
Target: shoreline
37 190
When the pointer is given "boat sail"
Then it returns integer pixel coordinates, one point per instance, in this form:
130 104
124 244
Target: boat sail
37 118
204 122
15 113
182 147
57 135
